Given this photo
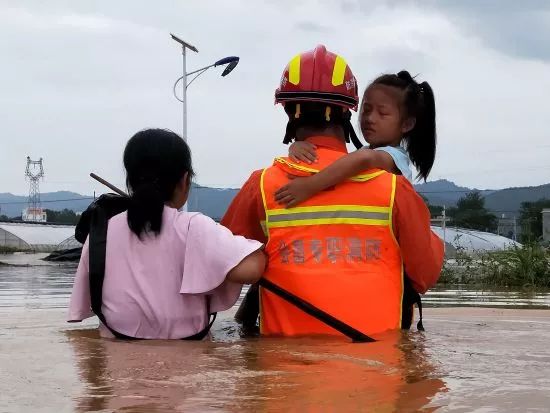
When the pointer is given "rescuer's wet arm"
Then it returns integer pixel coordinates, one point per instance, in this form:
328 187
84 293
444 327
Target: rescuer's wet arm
244 217
421 248
245 214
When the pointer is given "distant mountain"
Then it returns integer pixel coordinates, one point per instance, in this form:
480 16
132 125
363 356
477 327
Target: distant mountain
12 205
508 201
443 192
210 201
503 201
214 201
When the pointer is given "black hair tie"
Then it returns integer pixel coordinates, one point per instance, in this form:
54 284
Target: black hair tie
406 76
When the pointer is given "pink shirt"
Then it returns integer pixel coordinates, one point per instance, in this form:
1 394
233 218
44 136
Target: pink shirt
156 287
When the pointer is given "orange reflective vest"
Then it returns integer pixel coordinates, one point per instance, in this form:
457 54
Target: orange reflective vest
337 251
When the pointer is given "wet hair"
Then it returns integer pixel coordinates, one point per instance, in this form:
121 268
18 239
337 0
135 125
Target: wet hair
417 102
318 116
155 161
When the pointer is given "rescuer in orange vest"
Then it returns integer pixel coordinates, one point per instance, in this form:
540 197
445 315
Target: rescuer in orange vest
344 251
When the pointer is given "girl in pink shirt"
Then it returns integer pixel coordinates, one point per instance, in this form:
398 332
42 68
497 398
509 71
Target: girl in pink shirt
165 270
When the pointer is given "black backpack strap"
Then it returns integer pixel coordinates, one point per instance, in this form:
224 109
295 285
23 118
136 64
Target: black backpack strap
204 332
308 308
410 298
111 204
419 325
97 245
97 249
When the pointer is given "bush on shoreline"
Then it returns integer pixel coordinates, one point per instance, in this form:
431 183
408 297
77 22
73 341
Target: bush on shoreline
527 267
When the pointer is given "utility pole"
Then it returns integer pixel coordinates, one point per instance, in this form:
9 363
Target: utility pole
229 62
444 225
34 172
184 46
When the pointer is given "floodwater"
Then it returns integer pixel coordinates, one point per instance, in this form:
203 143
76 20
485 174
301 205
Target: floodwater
480 353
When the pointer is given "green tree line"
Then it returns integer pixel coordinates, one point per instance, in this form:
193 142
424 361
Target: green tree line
470 212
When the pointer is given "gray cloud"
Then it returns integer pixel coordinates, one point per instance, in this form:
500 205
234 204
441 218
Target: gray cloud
79 78
515 28
313 27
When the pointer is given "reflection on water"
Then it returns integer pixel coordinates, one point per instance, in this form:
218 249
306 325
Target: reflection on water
469 359
468 297
36 287
50 287
256 375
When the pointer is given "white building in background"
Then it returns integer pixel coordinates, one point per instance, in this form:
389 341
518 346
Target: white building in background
34 237
471 241
34 215
509 227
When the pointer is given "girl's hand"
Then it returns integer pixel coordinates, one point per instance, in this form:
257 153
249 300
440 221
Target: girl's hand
302 151
296 191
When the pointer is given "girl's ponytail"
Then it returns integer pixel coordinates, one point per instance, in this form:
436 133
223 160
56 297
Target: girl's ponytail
422 139
418 103
155 160
145 209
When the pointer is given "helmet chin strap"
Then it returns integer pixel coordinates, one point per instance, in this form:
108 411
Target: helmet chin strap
297 117
353 136
350 132
290 132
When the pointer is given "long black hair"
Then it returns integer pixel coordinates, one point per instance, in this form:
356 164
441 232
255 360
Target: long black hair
418 102
155 161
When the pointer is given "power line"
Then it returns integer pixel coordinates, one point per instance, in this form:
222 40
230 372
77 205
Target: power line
450 191
458 191
49 201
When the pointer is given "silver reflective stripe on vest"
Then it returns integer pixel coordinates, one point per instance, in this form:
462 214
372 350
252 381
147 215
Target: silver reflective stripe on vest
299 216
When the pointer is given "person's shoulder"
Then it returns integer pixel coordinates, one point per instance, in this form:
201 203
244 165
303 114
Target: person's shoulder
120 216
403 184
184 222
405 189
120 219
396 152
400 158
255 175
253 180
192 217
199 218
393 149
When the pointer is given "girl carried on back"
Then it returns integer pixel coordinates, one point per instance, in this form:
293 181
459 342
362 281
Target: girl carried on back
397 119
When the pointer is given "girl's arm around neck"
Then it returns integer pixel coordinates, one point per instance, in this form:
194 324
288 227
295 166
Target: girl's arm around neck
351 165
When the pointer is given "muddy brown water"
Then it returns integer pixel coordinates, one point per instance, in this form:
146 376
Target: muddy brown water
484 356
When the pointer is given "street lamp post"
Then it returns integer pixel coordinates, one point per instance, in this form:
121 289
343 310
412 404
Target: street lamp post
184 47
229 62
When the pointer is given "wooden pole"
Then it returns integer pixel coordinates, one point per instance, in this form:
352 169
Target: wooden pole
108 184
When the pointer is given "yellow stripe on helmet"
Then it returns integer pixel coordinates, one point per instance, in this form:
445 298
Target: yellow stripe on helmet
339 71
294 70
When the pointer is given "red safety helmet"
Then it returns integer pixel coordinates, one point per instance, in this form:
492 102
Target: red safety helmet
318 76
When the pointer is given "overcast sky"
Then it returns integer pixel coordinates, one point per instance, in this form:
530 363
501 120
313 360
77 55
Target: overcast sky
78 78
